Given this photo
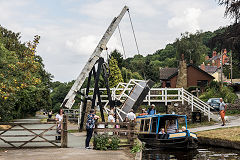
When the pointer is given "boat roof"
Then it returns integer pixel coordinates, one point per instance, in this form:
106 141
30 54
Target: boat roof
162 115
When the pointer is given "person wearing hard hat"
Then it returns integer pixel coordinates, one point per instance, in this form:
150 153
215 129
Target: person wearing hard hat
152 110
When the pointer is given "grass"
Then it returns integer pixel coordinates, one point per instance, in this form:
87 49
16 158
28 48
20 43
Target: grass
232 112
231 134
195 125
73 131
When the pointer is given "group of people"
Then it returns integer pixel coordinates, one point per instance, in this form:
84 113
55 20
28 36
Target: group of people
150 111
171 127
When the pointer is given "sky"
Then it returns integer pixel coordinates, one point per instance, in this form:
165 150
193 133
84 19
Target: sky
71 29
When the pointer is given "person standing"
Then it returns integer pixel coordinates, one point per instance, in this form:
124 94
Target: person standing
222 110
89 127
111 119
59 118
131 116
152 110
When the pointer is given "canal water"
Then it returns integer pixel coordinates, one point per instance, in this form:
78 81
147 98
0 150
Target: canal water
202 153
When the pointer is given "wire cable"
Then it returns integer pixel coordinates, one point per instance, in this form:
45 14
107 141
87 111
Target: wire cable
133 31
122 42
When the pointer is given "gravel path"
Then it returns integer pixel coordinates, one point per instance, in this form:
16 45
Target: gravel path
76 150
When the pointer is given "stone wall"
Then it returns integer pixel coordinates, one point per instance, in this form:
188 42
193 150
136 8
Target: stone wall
183 109
234 106
182 75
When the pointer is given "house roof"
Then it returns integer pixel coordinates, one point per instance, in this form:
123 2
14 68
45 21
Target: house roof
211 69
215 57
165 73
168 75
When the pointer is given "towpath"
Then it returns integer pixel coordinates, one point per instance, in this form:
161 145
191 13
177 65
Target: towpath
232 122
76 150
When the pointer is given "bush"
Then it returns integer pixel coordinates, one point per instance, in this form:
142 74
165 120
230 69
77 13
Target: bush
217 92
137 148
114 143
104 142
101 142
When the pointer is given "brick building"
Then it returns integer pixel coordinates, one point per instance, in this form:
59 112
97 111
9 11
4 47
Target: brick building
195 76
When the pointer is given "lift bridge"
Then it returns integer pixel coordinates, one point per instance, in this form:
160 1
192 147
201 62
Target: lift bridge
131 94
136 92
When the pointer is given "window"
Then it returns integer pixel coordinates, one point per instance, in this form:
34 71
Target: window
146 127
168 84
202 83
142 124
154 125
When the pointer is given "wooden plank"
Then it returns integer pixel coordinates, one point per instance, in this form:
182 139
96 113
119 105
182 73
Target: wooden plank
23 123
21 129
38 135
64 137
7 142
26 135
114 123
30 141
113 130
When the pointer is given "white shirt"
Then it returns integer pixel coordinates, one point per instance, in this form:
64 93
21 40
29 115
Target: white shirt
131 116
59 117
111 118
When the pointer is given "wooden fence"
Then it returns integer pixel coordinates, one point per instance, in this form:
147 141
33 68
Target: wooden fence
24 133
125 132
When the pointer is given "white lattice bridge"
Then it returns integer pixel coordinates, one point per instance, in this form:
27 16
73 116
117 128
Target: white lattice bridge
155 95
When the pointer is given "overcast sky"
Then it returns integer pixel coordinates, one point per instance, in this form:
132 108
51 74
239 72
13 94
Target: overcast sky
71 29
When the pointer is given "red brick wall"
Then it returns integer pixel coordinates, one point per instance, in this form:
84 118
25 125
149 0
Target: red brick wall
193 75
173 81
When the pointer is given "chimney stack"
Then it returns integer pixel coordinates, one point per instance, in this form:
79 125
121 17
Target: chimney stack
214 53
206 58
203 66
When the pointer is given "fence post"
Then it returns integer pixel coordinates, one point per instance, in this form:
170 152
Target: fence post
131 140
192 103
149 98
64 136
166 96
182 96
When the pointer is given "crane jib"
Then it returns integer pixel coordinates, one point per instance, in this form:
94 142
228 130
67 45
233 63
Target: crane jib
69 99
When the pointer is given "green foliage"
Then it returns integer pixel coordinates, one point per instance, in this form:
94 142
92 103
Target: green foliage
59 91
216 91
114 143
137 148
115 75
104 142
24 84
127 75
191 45
101 142
118 56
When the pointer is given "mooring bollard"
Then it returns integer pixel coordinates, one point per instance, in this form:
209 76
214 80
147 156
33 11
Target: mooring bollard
64 139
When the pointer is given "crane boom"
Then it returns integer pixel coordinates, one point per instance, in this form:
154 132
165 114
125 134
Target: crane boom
69 99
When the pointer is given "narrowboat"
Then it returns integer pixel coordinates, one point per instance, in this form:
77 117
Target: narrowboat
155 131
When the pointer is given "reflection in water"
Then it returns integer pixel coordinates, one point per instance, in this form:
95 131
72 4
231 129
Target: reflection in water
202 153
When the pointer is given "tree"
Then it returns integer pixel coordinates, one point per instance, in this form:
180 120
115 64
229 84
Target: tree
23 81
232 9
118 56
115 75
127 75
191 45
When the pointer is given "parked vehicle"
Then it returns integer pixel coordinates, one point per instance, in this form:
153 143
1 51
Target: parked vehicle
215 103
150 126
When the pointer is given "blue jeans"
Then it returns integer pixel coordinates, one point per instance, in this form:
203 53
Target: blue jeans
89 136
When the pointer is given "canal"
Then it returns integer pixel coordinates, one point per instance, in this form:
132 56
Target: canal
202 153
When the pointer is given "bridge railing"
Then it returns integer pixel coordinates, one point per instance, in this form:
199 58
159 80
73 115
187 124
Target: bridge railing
156 95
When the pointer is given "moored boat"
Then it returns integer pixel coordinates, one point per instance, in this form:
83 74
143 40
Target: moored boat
155 131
